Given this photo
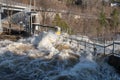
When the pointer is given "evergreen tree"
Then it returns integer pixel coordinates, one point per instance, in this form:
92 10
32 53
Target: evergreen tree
103 22
58 21
102 19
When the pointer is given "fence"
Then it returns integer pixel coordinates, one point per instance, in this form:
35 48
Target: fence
112 48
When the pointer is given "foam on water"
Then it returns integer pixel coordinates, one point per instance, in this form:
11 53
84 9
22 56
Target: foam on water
25 60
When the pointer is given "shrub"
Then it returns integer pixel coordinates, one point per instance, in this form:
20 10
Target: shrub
58 21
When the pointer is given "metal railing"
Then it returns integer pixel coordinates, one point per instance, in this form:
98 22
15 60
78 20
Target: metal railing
13 3
97 48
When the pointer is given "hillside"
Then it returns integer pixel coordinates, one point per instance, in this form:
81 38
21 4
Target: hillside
78 13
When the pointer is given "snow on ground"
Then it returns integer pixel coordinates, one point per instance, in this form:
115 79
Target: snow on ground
50 57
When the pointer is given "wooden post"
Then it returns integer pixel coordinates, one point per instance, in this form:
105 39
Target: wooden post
31 25
104 49
85 46
104 46
113 47
20 27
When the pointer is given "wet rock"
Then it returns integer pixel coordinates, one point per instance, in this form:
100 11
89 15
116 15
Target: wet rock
115 62
65 77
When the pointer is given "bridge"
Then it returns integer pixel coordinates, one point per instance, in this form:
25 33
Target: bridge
8 4
12 6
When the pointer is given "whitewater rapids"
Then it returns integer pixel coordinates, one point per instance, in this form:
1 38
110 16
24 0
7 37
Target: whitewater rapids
50 57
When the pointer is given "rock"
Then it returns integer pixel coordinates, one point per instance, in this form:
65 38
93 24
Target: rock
61 47
20 48
65 77
114 61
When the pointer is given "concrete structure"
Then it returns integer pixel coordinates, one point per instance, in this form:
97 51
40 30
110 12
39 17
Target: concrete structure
8 5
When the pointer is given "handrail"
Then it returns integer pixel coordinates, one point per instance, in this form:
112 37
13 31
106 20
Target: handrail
13 3
95 44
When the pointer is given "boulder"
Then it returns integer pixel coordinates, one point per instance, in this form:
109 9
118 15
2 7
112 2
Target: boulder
114 61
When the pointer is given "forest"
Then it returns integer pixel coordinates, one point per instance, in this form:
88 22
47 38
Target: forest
95 18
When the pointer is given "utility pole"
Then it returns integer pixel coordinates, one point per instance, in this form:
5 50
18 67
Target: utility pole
32 13
1 29
30 24
34 4
30 4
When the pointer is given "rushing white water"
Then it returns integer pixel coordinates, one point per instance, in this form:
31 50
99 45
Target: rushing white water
56 59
